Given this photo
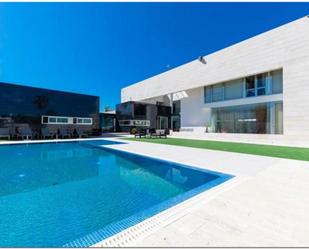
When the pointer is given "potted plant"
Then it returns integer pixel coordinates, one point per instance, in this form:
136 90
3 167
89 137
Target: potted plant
133 131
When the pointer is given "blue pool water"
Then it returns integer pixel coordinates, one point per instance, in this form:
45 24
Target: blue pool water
76 193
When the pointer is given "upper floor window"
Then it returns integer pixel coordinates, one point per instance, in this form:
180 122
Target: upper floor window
208 94
176 107
218 92
256 85
261 83
251 86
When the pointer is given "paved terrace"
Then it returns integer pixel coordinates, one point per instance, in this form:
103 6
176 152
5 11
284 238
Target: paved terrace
266 204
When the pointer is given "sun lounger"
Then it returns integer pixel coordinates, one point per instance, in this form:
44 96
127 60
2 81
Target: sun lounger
140 133
159 133
25 133
80 133
63 133
46 133
5 133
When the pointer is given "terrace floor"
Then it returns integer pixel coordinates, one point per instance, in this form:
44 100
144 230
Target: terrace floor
266 204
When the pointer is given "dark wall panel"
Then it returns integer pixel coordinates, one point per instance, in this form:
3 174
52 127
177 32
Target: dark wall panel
27 104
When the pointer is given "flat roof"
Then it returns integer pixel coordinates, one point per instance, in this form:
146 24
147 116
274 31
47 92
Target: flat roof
46 89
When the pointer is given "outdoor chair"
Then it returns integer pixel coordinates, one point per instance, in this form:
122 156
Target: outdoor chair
159 133
46 133
5 133
25 132
79 133
140 133
63 133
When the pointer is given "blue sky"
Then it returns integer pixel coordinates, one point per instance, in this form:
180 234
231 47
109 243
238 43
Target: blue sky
98 48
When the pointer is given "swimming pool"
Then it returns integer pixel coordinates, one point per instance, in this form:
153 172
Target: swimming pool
78 193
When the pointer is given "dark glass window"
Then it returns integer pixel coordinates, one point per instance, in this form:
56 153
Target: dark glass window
124 111
261 91
207 94
164 110
261 80
176 107
250 86
108 122
27 105
250 83
52 120
62 120
139 110
45 120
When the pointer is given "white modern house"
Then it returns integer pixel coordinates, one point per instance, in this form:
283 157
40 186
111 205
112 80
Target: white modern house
257 86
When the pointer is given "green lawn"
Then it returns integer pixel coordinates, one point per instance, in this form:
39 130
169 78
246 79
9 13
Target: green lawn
254 149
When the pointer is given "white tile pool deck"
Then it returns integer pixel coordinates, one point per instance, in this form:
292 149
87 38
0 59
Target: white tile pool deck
266 204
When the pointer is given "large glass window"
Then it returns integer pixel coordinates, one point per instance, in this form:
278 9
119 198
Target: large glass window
265 118
233 90
277 82
164 110
176 107
261 81
218 92
251 86
139 111
125 110
208 94
108 122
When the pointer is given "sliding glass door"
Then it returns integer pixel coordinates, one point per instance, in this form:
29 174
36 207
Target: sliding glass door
265 118
162 122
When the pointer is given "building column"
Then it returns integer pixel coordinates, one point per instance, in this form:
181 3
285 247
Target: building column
171 101
272 118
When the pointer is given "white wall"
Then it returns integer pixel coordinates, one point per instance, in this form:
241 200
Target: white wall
296 98
286 47
274 49
193 112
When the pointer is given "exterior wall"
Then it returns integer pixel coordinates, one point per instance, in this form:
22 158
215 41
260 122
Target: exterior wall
195 114
24 106
193 111
286 47
296 98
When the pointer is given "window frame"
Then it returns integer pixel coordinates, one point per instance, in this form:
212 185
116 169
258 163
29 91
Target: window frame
256 91
58 120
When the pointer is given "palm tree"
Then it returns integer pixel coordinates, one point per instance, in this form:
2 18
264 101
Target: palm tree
107 109
41 102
